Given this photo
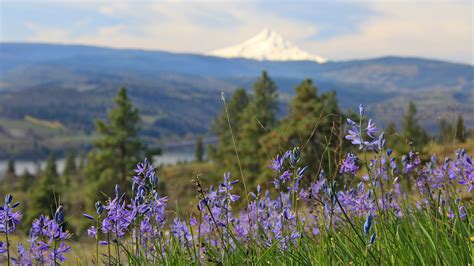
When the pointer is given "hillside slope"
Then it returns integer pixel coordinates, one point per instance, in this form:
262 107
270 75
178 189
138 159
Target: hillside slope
178 94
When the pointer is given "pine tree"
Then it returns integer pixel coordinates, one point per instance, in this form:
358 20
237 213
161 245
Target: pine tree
38 170
10 173
223 154
412 131
51 168
199 151
446 131
26 180
70 168
313 124
46 195
117 149
460 129
392 136
258 119
82 162
390 130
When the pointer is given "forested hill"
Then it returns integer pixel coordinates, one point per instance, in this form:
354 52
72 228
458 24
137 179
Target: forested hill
58 90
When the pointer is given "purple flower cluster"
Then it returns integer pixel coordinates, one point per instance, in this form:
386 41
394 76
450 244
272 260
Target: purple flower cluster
278 217
46 241
357 131
9 219
349 164
142 216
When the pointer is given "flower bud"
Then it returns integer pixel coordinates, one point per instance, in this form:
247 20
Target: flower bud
372 239
59 215
8 199
368 223
99 208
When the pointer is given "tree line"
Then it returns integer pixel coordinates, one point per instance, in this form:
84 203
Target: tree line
249 133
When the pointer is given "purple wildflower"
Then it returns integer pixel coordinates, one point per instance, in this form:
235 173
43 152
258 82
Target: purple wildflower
355 134
9 219
349 165
92 232
277 164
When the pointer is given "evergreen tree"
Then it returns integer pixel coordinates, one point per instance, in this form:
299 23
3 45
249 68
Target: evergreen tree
223 154
391 130
412 131
117 149
392 136
259 118
46 195
51 168
26 180
460 129
70 168
446 131
38 170
10 173
199 151
82 162
314 124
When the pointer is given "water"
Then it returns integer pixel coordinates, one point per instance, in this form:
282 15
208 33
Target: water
168 157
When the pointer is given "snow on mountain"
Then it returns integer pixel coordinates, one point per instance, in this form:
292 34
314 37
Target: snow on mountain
267 45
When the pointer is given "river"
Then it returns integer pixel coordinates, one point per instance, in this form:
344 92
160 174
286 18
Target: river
172 156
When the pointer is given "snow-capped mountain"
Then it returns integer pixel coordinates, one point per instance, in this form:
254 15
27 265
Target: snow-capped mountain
267 45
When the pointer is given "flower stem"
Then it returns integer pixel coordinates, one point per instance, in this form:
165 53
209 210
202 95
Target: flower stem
8 242
97 243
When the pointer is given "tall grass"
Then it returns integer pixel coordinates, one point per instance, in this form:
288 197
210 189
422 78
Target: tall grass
391 211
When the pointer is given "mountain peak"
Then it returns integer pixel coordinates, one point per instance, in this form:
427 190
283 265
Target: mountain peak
267 45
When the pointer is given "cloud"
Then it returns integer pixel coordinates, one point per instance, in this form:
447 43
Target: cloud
40 33
340 30
112 9
441 30
112 30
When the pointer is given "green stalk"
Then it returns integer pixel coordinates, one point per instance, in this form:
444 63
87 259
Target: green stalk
97 242
8 242
54 251
108 246
352 225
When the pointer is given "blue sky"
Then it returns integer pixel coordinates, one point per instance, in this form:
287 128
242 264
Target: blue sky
338 30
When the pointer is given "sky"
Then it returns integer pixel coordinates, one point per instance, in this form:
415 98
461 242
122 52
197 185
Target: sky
337 30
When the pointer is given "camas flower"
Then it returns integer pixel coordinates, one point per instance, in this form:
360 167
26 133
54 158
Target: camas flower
3 247
356 132
277 164
349 165
92 231
294 156
9 219
180 230
42 234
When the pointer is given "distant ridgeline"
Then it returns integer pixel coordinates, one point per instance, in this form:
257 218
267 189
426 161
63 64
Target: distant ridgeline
50 95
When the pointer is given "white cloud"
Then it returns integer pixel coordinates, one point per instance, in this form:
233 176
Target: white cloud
41 33
173 26
437 30
441 30
112 8
111 31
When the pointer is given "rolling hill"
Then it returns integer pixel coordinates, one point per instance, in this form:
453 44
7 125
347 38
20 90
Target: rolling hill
178 94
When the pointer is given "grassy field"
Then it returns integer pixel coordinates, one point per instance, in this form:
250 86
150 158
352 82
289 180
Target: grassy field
376 222
376 207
